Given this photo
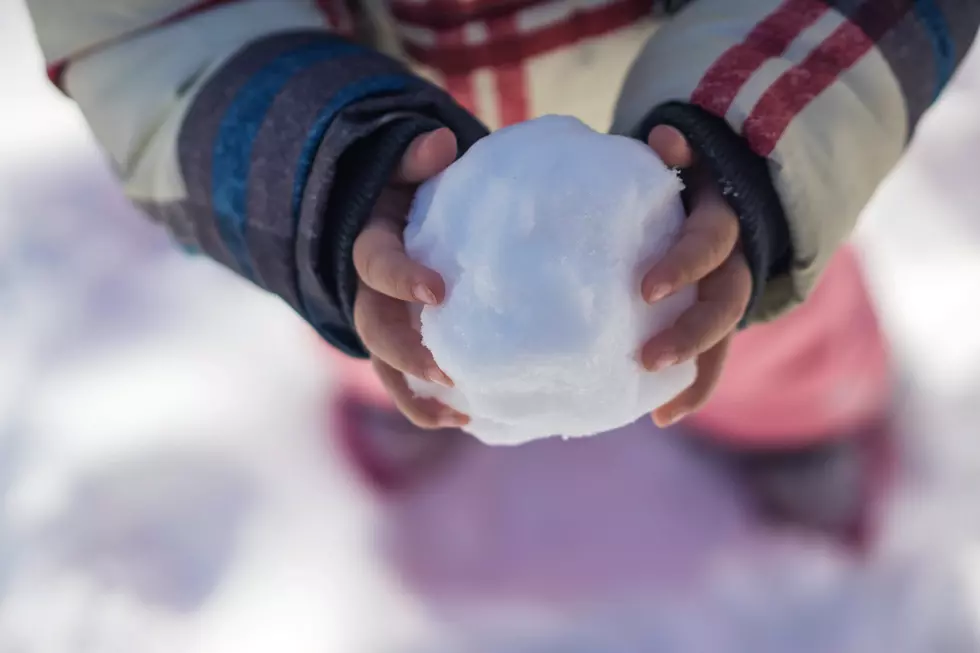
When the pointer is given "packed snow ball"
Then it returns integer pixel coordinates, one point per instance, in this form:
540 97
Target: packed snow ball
542 232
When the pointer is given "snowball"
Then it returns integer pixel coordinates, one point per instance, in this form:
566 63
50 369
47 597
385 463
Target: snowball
542 232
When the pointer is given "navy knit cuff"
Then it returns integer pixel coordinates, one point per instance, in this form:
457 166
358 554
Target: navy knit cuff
284 152
362 173
744 179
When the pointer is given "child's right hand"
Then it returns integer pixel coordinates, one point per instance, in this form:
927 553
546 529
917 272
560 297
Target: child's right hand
390 281
707 254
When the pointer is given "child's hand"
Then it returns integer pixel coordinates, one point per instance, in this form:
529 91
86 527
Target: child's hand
390 281
707 253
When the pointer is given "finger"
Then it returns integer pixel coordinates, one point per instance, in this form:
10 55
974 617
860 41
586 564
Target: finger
427 156
386 331
710 365
671 146
722 299
383 265
707 239
424 413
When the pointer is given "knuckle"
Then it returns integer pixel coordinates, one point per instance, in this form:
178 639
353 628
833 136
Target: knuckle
368 264
700 256
380 272
705 327
362 315
366 236
720 242
361 258
683 269
388 274
671 271
729 220
731 310
692 334
728 318
692 349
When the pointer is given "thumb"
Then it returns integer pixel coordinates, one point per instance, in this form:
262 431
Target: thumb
427 156
671 146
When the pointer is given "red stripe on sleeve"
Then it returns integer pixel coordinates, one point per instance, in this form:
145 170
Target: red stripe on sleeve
511 84
507 45
337 15
511 87
56 72
195 8
769 39
801 84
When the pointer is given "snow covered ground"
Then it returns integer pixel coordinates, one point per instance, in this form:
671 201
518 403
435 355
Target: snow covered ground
164 481
149 444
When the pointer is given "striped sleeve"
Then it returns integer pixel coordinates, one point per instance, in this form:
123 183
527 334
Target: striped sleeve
251 129
800 108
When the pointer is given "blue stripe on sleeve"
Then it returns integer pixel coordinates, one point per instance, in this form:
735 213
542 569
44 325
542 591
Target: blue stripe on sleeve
932 19
236 137
351 93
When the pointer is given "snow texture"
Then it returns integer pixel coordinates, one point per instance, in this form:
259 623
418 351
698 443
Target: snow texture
542 232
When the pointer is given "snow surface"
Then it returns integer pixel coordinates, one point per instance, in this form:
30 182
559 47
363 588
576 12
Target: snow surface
163 472
542 232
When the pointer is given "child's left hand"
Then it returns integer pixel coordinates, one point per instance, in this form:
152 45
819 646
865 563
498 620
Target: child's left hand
706 253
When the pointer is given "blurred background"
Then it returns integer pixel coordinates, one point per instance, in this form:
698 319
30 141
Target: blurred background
162 473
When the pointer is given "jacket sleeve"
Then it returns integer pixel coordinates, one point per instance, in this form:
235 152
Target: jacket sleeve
253 130
801 108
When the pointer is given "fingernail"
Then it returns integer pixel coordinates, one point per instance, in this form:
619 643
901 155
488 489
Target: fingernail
658 293
436 375
666 360
422 293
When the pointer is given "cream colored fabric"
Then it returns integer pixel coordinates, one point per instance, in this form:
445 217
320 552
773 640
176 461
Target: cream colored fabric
135 91
67 27
581 80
